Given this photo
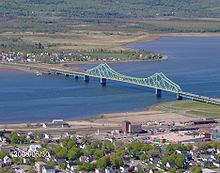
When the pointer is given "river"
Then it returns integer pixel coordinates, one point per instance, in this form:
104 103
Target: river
193 63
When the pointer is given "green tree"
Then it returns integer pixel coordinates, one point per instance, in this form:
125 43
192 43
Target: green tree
2 154
74 153
108 145
96 144
69 143
86 167
62 166
179 161
98 154
103 162
88 150
117 161
121 152
145 157
172 170
61 152
197 170
15 139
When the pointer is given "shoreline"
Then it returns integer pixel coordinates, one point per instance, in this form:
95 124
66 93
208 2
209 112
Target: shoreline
155 36
109 119
44 68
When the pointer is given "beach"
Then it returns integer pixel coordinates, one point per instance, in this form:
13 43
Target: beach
108 121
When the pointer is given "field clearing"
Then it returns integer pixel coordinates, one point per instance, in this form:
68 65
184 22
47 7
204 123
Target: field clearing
204 114
185 25
191 108
83 40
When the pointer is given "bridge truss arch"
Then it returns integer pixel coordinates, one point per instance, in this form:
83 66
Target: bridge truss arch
156 81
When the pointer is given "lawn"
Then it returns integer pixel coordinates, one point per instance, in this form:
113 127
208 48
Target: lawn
191 108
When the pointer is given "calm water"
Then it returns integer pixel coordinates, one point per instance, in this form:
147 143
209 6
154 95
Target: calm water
193 63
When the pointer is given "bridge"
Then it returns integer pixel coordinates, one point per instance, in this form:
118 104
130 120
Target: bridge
157 81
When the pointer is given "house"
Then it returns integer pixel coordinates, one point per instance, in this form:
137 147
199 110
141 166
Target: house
99 171
56 124
48 169
30 135
48 156
82 146
60 160
188 158
3 139
6 161
153 170
211 150
85 159
140 168
19 170
127 158
181 151
124 169
170 165
46 136
111 170
205 170
38 166
205 158
34 147
71 167
217 164
207 164
155 160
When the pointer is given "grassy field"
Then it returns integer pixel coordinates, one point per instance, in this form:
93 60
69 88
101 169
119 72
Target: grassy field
191 108
80 40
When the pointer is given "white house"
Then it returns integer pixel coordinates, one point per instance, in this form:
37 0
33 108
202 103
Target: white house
7 160
48 169
19 170
34 147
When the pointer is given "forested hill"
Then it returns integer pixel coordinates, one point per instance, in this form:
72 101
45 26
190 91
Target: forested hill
111 8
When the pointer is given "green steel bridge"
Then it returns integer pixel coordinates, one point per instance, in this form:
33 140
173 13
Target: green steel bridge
157 81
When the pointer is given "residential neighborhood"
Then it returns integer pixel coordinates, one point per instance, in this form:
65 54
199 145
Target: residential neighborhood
131 148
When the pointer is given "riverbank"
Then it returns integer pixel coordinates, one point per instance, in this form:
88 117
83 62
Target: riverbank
112 120
177 111
168 112
152 37
45 67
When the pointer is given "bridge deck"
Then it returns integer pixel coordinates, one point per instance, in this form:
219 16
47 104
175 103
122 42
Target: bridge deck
156 81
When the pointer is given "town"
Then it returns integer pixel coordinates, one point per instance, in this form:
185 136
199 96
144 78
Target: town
49 56
154 146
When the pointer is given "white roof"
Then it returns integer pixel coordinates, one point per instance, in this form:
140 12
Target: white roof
208 171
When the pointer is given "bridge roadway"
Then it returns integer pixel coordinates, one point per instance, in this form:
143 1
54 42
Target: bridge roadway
157 81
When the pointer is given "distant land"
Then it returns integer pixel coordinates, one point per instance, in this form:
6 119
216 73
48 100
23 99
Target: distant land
86 25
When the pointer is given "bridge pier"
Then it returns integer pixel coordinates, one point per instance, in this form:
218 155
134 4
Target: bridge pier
86 78
179 97
103 81
158 92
